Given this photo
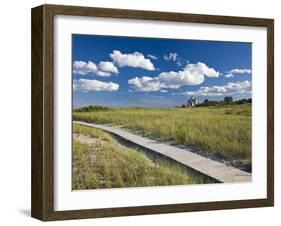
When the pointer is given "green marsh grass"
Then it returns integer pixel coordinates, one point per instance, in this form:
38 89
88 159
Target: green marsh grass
107 163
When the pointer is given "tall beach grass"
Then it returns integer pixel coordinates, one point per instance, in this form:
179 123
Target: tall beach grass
216 130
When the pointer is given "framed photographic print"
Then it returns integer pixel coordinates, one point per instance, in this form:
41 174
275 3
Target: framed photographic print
141 112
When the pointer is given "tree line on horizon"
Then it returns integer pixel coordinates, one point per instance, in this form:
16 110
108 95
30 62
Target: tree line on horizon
228 100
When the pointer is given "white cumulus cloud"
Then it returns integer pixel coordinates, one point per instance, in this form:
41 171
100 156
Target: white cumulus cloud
201 68
240 71
171 56
103 73
193 74
86 85
145 84
83 68
175 58
103 69
228 75
175 80
108 67
231 88
152 57
232 72
135 60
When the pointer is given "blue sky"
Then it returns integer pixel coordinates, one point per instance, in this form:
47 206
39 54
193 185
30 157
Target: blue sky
152 72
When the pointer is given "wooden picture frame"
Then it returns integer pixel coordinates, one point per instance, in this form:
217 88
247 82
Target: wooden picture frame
42 203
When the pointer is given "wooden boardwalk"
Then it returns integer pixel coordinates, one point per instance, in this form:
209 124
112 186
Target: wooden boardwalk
217 170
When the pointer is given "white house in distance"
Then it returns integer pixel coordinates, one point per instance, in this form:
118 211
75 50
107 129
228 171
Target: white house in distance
192 101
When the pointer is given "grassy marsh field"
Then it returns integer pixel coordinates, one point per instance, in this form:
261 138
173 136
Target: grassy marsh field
223 131
101 161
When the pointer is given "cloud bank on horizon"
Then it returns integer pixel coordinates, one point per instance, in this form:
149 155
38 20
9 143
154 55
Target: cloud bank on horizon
231 88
